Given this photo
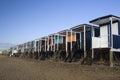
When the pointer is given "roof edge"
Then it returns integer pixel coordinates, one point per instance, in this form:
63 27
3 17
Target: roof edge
103 18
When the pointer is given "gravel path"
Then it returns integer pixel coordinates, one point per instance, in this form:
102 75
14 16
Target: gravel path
28 69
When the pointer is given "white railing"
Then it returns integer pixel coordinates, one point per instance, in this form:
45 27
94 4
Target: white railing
100 42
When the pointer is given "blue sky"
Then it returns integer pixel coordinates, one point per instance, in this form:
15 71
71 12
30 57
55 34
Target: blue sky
26 20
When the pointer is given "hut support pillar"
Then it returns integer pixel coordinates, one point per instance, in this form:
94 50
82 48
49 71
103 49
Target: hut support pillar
51 43
35 46
48 44
93 34
80 40
27 50
34 49
54 47
54 43
71 41
111 58
92 53
66 44
111 52
40 45
38 48
85 42
57 42
45 44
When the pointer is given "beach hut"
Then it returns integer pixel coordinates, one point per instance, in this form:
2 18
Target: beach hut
83 41
83 34
60 46
30 49
42 47
14 51
43 44
33 47
69 41
108 42
51 45
25 50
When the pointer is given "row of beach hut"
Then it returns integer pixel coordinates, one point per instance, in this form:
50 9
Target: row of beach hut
94 42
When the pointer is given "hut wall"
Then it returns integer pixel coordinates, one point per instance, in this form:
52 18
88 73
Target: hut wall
115 28
116 41
69 38
37 45
78 39
104 36
59 40
88 40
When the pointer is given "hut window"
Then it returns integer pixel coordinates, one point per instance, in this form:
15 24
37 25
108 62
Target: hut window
97 32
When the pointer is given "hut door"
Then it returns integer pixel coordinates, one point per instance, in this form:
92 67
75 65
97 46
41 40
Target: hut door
78 40
104 36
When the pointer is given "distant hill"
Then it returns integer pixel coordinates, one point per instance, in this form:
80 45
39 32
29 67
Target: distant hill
4 46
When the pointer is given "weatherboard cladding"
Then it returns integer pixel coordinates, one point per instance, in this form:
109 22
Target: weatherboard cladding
59 40
37 45
116 41
114 31
115 28
119 27
88 40
32 44
116 38
108 33
73 38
